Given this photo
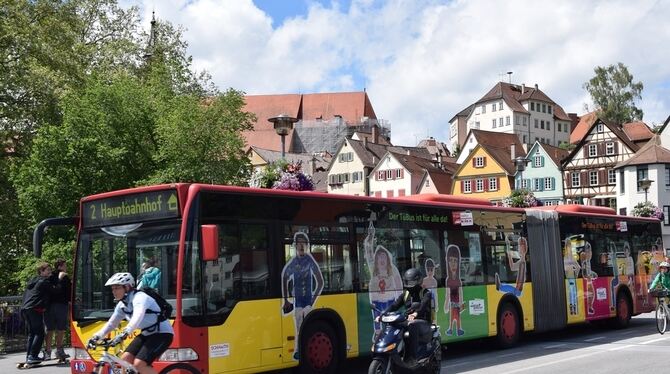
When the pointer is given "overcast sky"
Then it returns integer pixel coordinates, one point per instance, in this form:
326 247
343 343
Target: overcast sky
421 62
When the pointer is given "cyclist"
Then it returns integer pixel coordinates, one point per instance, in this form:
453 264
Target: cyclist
142 313
419 317
662 278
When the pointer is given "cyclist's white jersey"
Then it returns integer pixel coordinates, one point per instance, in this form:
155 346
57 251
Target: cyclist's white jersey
136 313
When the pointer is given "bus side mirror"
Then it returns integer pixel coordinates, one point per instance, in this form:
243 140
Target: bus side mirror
210 242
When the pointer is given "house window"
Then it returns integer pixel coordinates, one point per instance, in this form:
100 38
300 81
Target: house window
667 176
666 215
542 125
483 108
559 126
389 174
346 157
467 186
476 125
593 150
493 107
479 185
593 177
524 139
356 176
427 182
544 108
525 120
479 162
517 120
642 173
524 183
532 105
548 126
537 184
500 105
398 173
548 183
611 176
537 123
575 179
493 184
537 163
500 121
600 128
507 123
623 182
494 123
549 109
609 148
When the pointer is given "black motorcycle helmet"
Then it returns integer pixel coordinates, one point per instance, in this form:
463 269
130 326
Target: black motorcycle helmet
412 278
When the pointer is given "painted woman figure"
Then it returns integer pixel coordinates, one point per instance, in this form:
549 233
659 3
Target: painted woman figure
453 301
430 283
385 281
572 268
518 266
589 275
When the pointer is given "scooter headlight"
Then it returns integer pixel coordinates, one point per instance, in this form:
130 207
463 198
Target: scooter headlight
390 318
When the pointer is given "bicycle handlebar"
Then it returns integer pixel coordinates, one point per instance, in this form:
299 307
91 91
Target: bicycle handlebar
105 343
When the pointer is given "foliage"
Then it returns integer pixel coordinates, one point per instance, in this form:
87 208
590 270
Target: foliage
282 175
614 93
567 146
521 198
647 209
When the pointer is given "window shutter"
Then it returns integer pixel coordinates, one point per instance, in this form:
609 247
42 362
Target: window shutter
553 183
601 149
586 150
542 161
582 178
484 159
474 164
602 177
462 186
616 148
541 184
402 173
486 184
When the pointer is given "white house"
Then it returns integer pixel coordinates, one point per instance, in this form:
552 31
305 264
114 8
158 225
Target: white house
651 162
401 174
524 111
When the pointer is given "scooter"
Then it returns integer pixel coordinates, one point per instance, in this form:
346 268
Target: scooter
388 350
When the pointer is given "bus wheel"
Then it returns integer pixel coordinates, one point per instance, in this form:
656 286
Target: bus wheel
623 311
508 326
318 349
180 368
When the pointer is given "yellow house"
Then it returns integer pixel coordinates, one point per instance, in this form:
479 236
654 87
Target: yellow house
487 172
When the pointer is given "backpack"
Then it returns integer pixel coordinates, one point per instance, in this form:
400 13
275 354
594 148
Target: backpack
165 311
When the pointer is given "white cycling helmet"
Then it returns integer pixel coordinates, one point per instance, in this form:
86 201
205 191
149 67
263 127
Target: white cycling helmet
664 264
121 279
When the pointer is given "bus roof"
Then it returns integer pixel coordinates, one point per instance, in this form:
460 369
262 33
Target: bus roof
588 209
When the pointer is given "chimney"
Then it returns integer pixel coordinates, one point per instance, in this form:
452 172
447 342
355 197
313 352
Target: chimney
513 151
439 160
523 88
365 141
375 133
536 86
431 141
408 153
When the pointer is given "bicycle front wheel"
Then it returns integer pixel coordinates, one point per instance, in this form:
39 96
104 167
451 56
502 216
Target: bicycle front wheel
661 318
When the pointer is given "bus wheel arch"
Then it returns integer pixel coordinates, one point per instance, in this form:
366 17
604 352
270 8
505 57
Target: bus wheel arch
181 367
624 308
323 330
509 322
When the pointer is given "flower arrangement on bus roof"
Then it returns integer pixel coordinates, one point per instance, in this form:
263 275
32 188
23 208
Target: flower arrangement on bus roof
282 175
647 209
521 198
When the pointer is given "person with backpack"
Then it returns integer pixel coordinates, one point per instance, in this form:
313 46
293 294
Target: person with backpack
142 312
35 303
56 317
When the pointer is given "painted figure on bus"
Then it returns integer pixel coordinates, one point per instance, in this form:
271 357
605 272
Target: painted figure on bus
628 268
643 267
385 281
614 283
430 283
589 275
453 300
518 266
572 269
307 282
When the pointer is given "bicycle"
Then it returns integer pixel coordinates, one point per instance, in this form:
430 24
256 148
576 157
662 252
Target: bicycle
662 310
109 363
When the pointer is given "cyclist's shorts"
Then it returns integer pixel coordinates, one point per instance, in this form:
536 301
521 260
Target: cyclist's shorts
149 347
55 317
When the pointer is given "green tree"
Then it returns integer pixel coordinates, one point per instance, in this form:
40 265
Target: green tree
614 93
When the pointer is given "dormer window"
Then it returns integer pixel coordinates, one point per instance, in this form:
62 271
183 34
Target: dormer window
600 128
479 162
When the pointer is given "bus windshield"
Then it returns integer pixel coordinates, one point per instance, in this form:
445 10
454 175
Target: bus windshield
146 250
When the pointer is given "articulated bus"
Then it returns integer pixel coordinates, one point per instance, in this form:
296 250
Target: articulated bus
265 279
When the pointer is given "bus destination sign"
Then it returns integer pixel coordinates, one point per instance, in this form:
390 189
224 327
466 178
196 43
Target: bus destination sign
125 209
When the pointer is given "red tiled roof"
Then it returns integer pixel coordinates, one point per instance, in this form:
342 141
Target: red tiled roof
637 131
351 106
583 127
513 97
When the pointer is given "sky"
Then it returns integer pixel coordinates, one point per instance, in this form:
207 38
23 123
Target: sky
423 61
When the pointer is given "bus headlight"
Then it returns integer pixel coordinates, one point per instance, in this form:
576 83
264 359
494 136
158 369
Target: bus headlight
81 354
179 354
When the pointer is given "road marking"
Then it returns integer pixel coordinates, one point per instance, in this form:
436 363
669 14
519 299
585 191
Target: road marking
554 362
554 346
594 339
510 354
653 340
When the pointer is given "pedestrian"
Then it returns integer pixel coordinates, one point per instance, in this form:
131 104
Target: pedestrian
35 303
56 316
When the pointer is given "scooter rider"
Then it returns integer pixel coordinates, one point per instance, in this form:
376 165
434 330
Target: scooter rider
419 317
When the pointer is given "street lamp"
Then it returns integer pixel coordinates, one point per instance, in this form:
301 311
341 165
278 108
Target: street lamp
645 184
283 123
520 163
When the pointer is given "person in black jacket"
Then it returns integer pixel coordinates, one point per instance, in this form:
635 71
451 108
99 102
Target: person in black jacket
56 317
35 302
420 316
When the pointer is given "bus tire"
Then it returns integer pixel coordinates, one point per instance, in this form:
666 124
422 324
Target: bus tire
318 348
509 328
180 367
623 311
